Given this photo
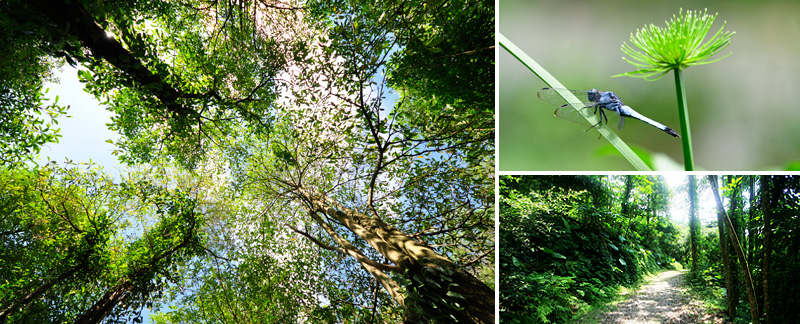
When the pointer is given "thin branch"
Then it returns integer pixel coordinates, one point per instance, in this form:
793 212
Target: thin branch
214 254
358 256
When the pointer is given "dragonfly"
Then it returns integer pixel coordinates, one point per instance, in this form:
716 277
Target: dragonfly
600 101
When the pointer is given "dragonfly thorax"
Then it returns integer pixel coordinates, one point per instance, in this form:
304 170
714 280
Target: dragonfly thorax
605 99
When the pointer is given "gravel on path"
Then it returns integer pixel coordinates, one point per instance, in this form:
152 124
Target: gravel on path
662 300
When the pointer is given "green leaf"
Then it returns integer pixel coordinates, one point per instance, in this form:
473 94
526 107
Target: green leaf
516 261
84 76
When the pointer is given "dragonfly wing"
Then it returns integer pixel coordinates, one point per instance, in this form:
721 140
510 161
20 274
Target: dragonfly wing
568 113
552 96
621 123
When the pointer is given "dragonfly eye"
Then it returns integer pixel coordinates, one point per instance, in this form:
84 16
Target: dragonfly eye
593 95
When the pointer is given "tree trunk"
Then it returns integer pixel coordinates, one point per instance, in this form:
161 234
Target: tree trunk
693 220
767 204
75 19
410 256
751 243
104 305
36 293
754 314
627 196
726 265
733 229
723 248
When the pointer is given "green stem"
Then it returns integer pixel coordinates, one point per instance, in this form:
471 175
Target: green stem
551 81
683 110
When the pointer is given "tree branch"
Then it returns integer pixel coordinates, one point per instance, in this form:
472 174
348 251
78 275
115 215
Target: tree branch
357 255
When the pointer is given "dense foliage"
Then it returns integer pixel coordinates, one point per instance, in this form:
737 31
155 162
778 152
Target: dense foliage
75 245
565 242
26 119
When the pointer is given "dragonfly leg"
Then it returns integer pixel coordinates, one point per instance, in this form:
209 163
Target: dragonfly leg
603 116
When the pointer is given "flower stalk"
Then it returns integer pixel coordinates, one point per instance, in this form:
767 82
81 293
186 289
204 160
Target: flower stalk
656 51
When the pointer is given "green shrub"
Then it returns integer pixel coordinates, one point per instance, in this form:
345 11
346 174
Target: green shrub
555 259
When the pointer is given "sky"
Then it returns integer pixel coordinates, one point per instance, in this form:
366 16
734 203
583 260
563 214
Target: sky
679 212
84 133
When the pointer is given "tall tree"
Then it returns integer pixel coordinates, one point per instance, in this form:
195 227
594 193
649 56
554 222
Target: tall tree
768 199
627 194
407 201
693 221
442 75
27 121
724 251
723 217
54 238
733 192
751 220
74 255
191 68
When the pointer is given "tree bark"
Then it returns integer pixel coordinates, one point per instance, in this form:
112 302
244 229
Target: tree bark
751 221
104 305
767 204
754 314
36 293
693 220
723 248
407 254
733 229
628 188
75 20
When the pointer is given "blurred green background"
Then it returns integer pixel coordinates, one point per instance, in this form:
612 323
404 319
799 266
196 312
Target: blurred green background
743 110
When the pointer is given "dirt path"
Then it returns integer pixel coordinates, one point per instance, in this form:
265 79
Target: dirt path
662 300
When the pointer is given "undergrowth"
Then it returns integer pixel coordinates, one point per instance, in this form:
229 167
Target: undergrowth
559 258
704 286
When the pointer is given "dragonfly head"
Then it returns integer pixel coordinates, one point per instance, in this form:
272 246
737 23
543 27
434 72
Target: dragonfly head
593 95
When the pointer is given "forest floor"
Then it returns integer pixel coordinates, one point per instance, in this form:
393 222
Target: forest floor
663 299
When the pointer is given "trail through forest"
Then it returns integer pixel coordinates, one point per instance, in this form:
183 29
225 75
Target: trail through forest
662 300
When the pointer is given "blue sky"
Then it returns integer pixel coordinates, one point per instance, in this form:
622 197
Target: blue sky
83 135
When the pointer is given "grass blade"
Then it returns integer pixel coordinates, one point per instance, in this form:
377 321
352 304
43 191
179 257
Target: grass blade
551 81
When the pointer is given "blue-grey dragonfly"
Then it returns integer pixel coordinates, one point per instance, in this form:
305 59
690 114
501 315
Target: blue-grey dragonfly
597 100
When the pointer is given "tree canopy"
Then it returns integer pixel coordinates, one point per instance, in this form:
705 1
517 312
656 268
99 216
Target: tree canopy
289 162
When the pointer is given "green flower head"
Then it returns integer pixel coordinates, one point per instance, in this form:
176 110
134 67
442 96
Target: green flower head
675 47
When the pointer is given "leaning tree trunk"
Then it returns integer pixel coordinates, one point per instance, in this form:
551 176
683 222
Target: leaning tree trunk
105 304
737 246
435 277
38 292
76 21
